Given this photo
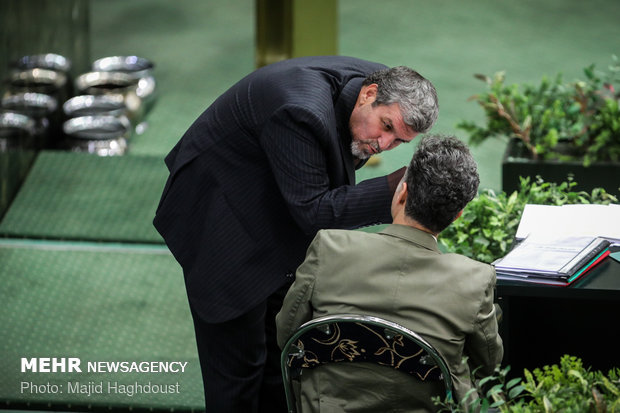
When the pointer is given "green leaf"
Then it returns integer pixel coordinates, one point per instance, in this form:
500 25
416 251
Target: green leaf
611 387
484 408
513 382
481 241
516 391
497 389
498 403
486 380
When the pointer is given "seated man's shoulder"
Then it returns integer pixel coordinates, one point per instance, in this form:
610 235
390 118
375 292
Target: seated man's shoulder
467 264
345 236
345 240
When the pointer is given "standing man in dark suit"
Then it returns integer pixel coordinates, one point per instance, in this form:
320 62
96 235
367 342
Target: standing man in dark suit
266 166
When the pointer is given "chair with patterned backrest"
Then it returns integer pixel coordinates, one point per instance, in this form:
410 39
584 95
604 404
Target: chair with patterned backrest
352 338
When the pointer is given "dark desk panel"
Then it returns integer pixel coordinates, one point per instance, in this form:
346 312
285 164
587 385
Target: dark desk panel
542 323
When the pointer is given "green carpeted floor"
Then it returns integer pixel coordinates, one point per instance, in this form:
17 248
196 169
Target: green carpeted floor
84 274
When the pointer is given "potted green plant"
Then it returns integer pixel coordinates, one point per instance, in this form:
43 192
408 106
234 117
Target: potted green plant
555 128
567 387
486 229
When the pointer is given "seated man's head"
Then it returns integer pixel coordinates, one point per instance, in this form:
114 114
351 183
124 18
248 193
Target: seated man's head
441 180
393 106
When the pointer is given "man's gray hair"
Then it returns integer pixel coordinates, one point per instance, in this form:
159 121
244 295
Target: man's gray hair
441 180
416 95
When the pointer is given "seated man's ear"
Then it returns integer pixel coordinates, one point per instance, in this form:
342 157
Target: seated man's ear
401 192
458 215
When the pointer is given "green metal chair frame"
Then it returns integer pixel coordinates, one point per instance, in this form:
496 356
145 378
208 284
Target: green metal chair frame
336 338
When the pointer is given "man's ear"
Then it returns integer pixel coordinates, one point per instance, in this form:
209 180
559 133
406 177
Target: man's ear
368 94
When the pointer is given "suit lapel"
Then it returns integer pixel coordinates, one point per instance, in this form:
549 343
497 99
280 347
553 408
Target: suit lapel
347 159
343 107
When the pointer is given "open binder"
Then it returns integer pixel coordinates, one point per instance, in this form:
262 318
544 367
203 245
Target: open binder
552 260
558 244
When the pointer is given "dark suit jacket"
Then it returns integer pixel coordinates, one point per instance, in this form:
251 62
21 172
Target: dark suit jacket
255 177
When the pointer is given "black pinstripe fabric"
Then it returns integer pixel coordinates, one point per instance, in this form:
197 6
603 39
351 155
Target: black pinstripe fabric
255 177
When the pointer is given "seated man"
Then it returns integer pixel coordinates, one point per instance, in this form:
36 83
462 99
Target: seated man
399 274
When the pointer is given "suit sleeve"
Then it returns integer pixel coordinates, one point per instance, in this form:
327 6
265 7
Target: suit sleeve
292 140
484 347
297 306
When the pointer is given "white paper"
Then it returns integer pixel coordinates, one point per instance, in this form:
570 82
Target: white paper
571 220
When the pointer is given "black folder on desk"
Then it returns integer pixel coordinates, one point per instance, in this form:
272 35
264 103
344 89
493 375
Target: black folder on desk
556 261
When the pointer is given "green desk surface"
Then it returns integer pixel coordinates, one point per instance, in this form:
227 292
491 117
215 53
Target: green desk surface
77 196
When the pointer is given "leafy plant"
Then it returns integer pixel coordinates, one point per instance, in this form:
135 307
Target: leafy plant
489 222
567 387
493 392
570 387
554 120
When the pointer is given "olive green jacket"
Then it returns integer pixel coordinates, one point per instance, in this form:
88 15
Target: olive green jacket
398 274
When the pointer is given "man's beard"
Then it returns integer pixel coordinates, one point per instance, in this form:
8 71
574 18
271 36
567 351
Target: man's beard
357 149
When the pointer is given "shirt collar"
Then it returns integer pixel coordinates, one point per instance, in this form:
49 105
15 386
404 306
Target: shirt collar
414 235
